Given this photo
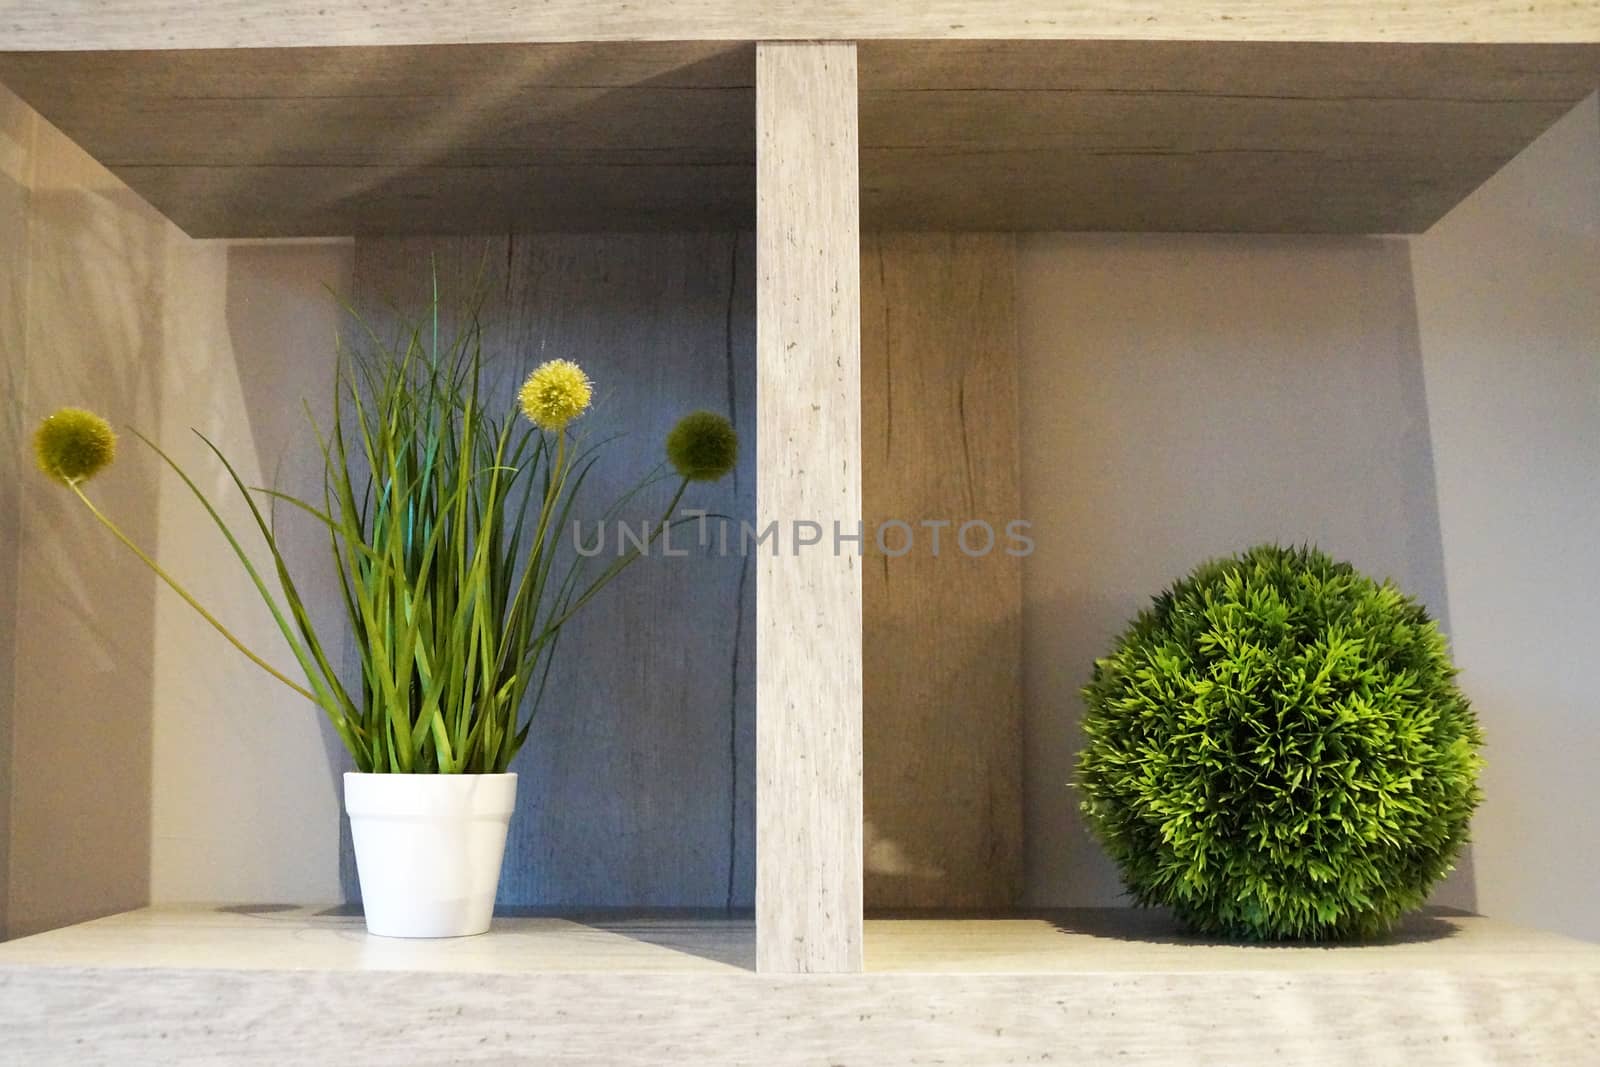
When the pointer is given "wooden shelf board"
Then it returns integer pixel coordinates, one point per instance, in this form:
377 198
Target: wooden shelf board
59 24
1117 940
333 939
271 986
1070 941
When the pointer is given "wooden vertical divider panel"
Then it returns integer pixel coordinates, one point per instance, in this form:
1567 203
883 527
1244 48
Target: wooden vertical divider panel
808 483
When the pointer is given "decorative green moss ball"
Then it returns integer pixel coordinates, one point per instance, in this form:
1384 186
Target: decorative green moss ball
1277 750
703 446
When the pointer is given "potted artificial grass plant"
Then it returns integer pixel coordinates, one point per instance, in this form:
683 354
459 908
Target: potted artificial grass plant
443 514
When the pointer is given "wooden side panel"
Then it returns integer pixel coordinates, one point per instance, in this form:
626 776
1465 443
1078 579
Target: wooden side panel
942 729
81 703
808 609
1513 270
140 743
17 126
60 24
637 781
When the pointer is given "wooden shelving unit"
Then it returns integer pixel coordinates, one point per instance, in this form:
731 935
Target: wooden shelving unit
830 133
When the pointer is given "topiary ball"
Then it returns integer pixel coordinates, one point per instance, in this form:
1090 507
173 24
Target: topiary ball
1277 750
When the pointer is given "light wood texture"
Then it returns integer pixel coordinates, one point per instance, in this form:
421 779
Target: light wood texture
637 780
1421 1019
1198 136
68 24
942 633
808 438
269 937
1127 941
278 986
280 937
329 141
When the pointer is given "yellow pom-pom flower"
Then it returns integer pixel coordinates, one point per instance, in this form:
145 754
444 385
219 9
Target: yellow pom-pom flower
555 393
73 445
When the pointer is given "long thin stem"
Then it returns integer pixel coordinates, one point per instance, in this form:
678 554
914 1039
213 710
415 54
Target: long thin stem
181 591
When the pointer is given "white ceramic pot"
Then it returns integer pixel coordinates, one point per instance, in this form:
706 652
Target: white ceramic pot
428 849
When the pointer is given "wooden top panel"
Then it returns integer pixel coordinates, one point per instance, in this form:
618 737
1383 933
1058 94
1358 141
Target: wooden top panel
955 135
1173 136
443 139
86 24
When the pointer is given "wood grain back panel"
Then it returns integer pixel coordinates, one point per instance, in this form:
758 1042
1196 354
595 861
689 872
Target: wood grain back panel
942 639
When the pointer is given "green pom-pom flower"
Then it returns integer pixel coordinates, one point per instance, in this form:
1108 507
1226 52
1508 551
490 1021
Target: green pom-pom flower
1277 749
703 446
73 445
